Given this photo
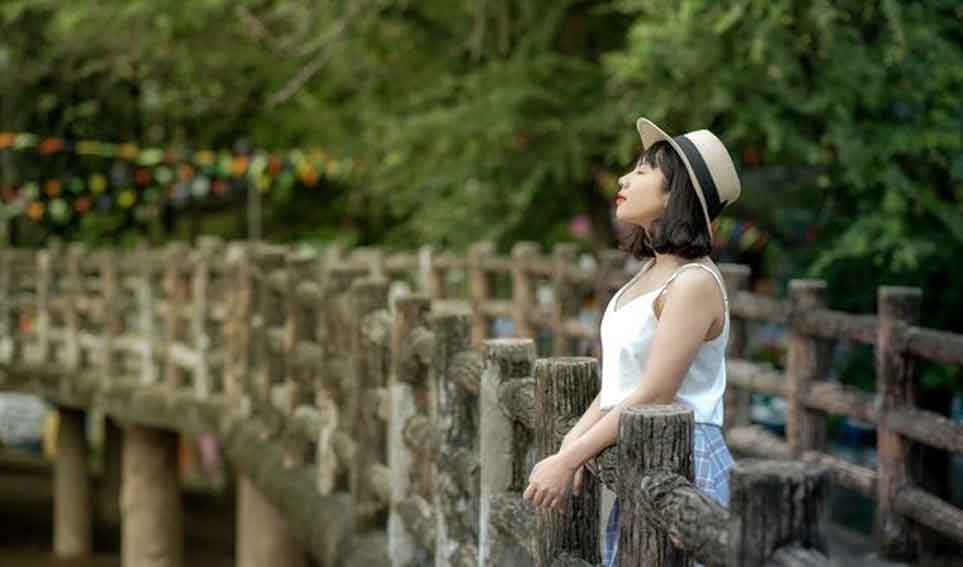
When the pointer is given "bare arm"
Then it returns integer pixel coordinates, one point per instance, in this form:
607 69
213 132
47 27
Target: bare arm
592 414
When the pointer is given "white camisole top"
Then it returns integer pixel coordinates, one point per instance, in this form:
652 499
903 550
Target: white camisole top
626 336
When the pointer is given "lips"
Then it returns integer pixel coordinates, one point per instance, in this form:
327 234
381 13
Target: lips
618 200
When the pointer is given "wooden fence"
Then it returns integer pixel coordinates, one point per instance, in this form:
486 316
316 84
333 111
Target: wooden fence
422 432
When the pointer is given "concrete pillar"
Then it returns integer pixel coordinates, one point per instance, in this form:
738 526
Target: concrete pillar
151 509
72 512
262 536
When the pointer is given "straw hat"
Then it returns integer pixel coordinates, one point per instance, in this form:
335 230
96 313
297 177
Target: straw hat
710 167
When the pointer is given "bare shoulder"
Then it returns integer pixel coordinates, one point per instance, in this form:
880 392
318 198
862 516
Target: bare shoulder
693 287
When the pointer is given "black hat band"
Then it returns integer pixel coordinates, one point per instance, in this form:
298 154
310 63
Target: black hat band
713 204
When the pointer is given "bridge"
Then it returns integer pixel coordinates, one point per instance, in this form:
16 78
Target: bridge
373 419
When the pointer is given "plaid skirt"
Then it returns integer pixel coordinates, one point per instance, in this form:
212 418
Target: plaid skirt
711 461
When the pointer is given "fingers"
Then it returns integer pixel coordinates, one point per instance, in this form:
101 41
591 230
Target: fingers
530 492
577 482
542 498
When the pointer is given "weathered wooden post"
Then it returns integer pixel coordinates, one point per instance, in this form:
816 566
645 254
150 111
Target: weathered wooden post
174 300
479 287
456 370
301 347
42 324
263 537
898 308
268 322
112 317
564 388
737 400
73 526
146 294
652 438
430 281
411 529
372 329
200 341
237 328
73 297
18 267
563 258
337 390
509 364
807 363
151 508
523 292
773 505
8 311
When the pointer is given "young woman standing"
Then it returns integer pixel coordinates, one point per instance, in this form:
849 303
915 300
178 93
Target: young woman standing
664 333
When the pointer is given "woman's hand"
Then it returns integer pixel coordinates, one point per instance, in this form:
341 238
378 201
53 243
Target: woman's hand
577 480
549 482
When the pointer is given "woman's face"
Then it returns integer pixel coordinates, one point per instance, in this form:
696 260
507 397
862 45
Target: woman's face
642 197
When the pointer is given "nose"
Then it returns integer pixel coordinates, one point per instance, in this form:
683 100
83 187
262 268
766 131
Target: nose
622 182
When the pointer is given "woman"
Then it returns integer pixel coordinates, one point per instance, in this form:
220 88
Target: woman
664 333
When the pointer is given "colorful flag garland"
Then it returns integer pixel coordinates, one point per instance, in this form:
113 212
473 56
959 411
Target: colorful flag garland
140 176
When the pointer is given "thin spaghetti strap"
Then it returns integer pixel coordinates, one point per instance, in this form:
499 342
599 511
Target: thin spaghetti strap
722 287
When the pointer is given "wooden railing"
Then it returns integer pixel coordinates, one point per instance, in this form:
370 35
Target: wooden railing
380 403
899 425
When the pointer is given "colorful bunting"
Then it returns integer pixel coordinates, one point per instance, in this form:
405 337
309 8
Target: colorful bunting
138 176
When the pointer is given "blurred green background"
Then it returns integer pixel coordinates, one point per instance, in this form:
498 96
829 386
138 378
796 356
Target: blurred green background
511 120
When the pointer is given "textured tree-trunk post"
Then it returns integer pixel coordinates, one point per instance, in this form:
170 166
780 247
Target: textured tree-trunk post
563 258
268 364
456 369
200 341
301 347
372 331
263 536
9 313
145 300
807 363
174 294
775 504
42 320
337 393
523 292
651 438
898 308
111 315
262 533
479 287
507 362
564 388
73 295
737 400
408 460
153 516
237 325
430 281
371 258
73 529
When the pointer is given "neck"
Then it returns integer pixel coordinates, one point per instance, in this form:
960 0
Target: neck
671 261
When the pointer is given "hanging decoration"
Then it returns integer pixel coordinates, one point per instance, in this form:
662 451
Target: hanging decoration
139 177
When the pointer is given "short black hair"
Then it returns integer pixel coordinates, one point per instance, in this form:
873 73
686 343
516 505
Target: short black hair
682 229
